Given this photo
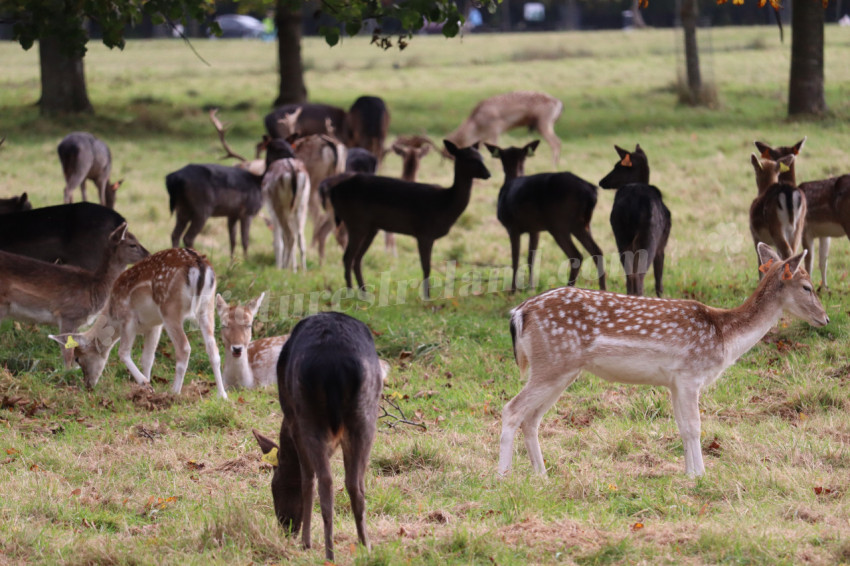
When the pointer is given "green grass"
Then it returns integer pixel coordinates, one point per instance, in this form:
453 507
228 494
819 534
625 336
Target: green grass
117 475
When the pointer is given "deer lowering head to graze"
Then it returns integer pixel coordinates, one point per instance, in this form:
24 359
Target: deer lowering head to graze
367 123
639 218
559 203
679 344
83 156
310 119
163 289
367 203
329 384
247 363
286 191
827 208
500 113
66 296
777 214
15 204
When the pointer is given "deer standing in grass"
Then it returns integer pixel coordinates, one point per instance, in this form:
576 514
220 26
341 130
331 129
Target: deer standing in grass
778 213
83 157
247 363
369 203
329 383
679 344
500 113
560 203
162 290
827 207
67 296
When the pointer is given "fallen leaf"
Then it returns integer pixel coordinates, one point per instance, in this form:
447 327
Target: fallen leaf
193 465
12 451
76 491
637 526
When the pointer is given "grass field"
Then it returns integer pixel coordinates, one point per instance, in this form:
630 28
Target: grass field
119 476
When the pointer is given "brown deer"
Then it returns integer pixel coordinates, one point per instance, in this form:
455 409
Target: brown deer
500 113
286 190
560 203
84 156
247 363
367 203
679 344
64 295
827 207
329 383
777 214
163 289
15 204
640 219
368 120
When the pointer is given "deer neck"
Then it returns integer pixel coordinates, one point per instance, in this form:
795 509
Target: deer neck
742 327
237 371
409 169
105 275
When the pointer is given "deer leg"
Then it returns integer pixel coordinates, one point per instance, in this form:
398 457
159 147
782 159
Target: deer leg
125 349
151 340
326 498
320 235
389 243
686 411
308 477
206 322
83 190
179 227
245 229
548 133
514 236
541 401
355 454
365 242
425 247
565 242
298 236
586 239
174 328
197 224
533 242
231 231
348 256
823 256
658 271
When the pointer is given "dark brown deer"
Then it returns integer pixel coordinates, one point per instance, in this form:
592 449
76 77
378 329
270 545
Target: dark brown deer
311 119
84 156
368 120
64 295
367 203
639 218
329 382
15 204
559 203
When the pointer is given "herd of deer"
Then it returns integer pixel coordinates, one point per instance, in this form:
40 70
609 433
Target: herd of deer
65 265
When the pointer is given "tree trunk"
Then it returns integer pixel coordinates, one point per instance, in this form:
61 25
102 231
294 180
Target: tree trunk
63 81
805 90
690 13
637 17
292 88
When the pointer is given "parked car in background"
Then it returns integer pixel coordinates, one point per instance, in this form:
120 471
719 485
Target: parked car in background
239 26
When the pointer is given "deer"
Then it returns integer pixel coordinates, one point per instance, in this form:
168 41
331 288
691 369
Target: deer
367 123
679 344
72 234
495 115
827 207
560 203
15 204
83 156
777 214
66 296
286 190
162 290
640 219
329 383
248 363
306 119
367 203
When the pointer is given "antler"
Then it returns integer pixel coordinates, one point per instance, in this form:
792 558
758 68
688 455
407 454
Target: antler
415 140
220 129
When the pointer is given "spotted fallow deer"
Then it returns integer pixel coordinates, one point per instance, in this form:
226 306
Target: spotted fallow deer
827 207
163 289
778 213
247 363
679 344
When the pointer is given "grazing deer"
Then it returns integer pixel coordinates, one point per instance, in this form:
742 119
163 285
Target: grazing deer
248 363
306 119
329 383
163 289
560 203
827 207
777 214
83 156
367 123
500 113
367 203
73 234
286 190
679 344
64 295
15 204
639 218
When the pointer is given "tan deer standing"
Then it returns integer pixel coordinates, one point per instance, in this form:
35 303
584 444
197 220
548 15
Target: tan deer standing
500 113
286 191
679 344
161 290
828 207
248 363
778 213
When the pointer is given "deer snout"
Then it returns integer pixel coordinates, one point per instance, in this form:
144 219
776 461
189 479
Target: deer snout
236 351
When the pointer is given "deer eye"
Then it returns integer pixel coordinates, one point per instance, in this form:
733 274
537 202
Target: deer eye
807 288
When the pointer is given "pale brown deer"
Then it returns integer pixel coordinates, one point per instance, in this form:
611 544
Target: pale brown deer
286 191
679 344
162 290
247 363
83 156
498 114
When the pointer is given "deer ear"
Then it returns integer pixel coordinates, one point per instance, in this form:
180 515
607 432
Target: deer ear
114 186
220 304
23 198
68 341
385 369
450 147
531 147
785 162
756 162
423 151
268 447
799 145
795 263
621 152
766 254
119 233
494 151
254 305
